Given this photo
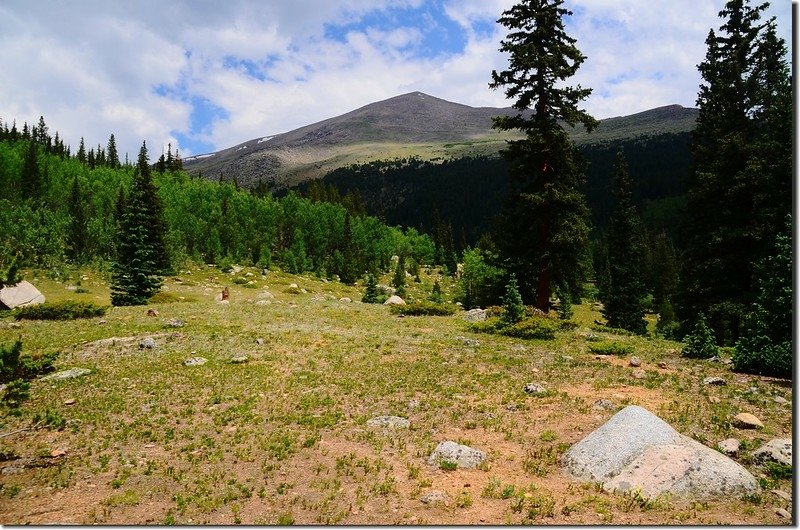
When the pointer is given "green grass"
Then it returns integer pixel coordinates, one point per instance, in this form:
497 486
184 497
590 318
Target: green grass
283 438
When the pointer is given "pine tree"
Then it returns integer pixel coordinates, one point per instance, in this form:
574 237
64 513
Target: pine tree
399 278
700 343
766 344
623 304
543 230
371 292
436 293
512 304
112 156
32 185
81 155
740 186
138 269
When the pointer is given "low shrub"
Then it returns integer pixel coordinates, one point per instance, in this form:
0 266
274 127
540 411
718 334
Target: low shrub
614 331
169 298
611 348
66 310
536 327
424 308
700 343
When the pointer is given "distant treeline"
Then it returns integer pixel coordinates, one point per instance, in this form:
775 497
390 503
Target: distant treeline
468 192
55 208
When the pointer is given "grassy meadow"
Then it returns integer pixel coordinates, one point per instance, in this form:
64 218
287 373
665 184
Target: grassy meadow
283 438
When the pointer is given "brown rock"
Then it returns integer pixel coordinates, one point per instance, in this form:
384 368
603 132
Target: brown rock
635 362
152 312
56 453
745 420
639 373
69 402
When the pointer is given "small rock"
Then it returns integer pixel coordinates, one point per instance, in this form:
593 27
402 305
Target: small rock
239 359
14 325
152 312
260 341
293 286
69 402
472 342
394 300
511 407
175 323
780 400
603 404
102 321
475 315
784 513
147 343
345 300
713 399
714 381
434 497
303 291
56 453
390 422
752 390
635 362
533 388
412 403
463 456
195 361
783 495
662 364
729 446
67 374
778 450
263 302
715 359
639 374
224 302
265 295
745 420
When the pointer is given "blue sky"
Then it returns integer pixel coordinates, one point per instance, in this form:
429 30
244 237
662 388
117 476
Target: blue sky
204 75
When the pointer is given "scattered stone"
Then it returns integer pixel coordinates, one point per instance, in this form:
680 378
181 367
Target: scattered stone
293 286
713 399
782 494
175 323
778 450
472 342
434 497
152 312
782 512
639 373
412 403
147 343
389 422
512 407
714 381
745 420
72 373
57 453
729 446
394 300
519 348
475 315
533 388
463 456
567 358
263 302
604 404
195 361
345 300
635 362
636 450
20 295
265 295
14 325
72 288
236 269
69 402
662 364
715 359
260 341
239 359
102 321
780 400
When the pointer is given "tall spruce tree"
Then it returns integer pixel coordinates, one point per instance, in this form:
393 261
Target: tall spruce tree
740 186
141 253
32 185
623 302
543 230
112 156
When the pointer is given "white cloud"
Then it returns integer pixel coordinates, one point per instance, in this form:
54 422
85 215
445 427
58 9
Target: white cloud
96 67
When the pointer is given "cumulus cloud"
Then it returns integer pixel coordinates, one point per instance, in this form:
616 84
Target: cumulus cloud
205 75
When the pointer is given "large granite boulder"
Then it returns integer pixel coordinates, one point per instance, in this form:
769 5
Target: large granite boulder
636 451
20 295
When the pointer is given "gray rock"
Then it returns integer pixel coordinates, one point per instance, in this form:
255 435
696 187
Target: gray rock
533 388
462 455
745 420
175 323
387 289
782 512
635 362
147 343
782 494
67 374
603 404
434 497
346 300
239 359
780 400
778 450
637 451
472 342
195 361
639 373
412 403
662 364
20 295
394 300
729 446
714 381
260 341
389 422
475 315
265 295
